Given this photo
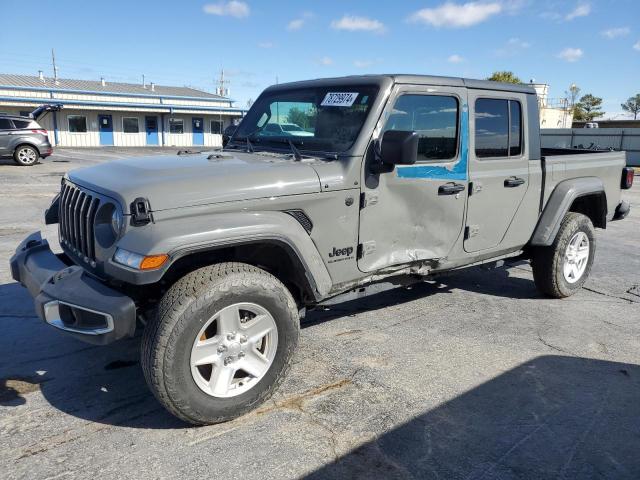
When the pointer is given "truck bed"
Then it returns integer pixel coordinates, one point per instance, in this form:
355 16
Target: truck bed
564 163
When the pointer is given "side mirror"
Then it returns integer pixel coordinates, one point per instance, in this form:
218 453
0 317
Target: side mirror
399 147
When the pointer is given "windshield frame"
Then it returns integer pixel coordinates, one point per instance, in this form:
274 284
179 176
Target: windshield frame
375 89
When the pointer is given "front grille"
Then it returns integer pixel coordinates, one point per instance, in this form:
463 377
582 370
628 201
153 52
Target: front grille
77 214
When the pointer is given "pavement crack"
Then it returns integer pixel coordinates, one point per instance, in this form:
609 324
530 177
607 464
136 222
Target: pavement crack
605 294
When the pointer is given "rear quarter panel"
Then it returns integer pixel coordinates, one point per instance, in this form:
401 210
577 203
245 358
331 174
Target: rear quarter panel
606 166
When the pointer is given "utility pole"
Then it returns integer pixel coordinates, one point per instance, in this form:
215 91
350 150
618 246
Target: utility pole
222 90
55 68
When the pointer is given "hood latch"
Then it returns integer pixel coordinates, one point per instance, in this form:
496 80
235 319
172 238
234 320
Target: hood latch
140 212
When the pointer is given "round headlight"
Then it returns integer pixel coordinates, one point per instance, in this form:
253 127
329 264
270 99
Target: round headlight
116 221
108 224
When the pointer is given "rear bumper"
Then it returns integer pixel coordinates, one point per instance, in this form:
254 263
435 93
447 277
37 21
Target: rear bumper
68 298
622 210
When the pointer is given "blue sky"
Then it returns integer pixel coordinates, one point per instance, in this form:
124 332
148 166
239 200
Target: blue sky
595 44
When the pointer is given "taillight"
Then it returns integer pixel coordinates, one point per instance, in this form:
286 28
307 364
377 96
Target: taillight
41 131
627 178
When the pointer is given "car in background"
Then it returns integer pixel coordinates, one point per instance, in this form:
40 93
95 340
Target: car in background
591 125
23 138
285 129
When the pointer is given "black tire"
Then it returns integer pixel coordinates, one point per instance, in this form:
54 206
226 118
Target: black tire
548 262
168 339
26 155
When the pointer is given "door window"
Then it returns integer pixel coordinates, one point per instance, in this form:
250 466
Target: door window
22 124
5 124
498 125
434 118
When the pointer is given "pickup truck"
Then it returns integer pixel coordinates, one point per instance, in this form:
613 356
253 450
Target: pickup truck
219 254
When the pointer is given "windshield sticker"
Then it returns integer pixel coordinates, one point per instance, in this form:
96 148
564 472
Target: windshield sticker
339 99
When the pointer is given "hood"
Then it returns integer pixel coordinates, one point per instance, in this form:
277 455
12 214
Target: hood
175 181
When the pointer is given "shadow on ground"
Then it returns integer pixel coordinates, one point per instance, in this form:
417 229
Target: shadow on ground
106 385
495 282
552 417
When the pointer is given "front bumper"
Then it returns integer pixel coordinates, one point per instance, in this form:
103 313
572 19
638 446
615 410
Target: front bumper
70 299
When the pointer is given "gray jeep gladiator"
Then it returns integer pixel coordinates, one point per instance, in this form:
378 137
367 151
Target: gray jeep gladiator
384 179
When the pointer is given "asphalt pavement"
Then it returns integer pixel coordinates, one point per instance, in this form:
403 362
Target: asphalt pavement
473 376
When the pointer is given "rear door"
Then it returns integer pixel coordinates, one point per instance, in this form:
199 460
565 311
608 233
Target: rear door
498 167
5 135
416 211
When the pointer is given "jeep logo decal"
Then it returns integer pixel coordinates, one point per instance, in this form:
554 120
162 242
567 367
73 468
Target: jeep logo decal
341 252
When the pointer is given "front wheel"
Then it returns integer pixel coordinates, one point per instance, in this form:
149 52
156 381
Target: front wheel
221 342
561 269
26 155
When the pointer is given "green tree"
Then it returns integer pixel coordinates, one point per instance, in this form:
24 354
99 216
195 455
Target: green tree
301 118
588 108
572 95
632 105
504 76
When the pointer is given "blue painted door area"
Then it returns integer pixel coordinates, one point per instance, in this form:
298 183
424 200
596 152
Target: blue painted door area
105 125
151 126
198 130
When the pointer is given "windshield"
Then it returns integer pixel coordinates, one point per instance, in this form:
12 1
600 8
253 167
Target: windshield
326 119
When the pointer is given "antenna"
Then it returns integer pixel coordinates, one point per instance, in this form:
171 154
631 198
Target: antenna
222 90
55 68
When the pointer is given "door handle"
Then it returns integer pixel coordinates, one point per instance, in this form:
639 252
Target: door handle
513 182
450 188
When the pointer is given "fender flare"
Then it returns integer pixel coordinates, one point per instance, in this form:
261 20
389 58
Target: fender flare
560 200
187 235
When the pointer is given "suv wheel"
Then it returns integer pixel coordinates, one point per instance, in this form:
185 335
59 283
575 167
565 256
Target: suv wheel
221 342
561 269
26 155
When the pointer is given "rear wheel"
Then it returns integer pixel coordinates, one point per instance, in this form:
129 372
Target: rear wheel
561 269
26 155
221 342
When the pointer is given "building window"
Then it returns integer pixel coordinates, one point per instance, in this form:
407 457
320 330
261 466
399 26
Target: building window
498 128
176 125
130 125
77 123
216 127
434 118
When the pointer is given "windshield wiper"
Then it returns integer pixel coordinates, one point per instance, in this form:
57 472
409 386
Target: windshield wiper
296 153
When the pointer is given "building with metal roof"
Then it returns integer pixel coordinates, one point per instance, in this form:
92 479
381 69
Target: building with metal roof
97 113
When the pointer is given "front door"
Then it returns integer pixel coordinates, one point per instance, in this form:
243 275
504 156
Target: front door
416 212
105 126
198 130
498 169
151 127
